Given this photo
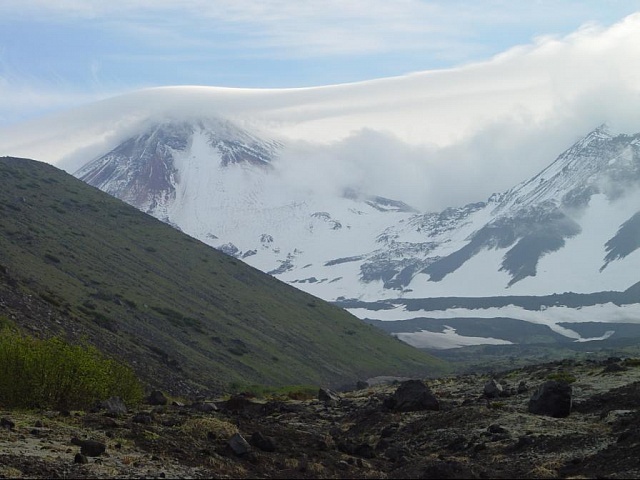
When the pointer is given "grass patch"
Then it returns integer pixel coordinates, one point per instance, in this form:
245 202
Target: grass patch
565 377
291 392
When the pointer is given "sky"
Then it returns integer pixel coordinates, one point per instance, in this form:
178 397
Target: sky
55 55
436 103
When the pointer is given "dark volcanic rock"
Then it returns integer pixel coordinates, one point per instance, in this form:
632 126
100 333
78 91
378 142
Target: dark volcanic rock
6 423
157 398
239 445
90 448
552 398
492 389
326 395
412 396
264 443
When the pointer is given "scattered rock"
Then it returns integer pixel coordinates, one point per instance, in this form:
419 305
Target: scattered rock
553 399
412 396
614 368
7 423
362 385
522 387
492 389
113 406
90 448
157 398
449 469
143 418
264 443
205 407
239 445
327 396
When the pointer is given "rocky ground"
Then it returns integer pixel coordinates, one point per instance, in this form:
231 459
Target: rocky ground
474 426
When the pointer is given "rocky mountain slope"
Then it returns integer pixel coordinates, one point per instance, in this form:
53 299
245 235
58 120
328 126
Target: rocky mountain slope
473 426
571 228
76 262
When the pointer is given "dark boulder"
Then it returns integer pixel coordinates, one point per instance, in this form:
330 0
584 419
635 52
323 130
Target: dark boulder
239 445
492 389
412 396
553 399
327 396
157 398
90 448
264 443
6 423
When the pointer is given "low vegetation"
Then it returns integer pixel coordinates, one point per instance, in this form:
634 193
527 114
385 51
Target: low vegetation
53 374
186 317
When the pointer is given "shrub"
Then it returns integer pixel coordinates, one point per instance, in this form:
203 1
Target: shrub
565 377
54 374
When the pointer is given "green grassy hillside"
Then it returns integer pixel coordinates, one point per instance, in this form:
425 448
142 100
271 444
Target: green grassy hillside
78 263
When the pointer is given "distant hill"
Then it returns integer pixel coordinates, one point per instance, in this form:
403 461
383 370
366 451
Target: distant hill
78 263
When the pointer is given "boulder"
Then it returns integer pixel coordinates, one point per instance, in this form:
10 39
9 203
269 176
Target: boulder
412 396
90 448
492 389
553 399
7 423
239 445
264 443
113 406
157 398
327 396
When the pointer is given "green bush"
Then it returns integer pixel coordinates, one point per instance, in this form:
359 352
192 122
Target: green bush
54 374
565 377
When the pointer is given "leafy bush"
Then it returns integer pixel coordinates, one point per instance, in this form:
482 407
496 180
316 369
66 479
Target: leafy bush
54 374
292 392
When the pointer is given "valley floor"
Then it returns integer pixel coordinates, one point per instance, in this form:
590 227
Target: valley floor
353 435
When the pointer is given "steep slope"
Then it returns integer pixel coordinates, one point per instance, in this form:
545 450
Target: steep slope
77 262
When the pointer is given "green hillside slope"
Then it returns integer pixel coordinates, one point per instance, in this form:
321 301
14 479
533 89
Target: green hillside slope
79 263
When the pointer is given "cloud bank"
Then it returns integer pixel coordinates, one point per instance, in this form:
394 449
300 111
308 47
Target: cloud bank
433 139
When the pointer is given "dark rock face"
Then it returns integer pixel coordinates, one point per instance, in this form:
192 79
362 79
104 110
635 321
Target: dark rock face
553 399
412 396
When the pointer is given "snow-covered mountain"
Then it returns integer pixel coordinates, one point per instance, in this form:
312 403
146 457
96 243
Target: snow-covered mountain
574 227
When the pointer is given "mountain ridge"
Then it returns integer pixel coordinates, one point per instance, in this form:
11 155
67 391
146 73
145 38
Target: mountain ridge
570 228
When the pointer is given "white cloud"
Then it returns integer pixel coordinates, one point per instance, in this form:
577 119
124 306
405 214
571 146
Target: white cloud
433 139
